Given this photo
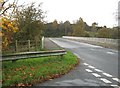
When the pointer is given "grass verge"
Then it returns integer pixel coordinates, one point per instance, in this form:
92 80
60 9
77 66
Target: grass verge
31 71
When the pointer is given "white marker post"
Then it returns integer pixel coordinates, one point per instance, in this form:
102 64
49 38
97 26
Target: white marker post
42 42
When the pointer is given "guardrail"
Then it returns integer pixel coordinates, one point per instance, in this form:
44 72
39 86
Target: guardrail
26 55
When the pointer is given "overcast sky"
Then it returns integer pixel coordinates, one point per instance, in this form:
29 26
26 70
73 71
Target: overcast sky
100 11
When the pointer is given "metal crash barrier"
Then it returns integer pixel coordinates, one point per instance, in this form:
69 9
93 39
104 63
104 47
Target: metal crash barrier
27 55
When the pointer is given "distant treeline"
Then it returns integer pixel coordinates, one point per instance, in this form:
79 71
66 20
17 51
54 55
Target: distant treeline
80 29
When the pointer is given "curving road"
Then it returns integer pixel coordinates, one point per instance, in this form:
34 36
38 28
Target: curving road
98 66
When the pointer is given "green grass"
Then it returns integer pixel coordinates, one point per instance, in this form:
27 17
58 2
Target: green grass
36 70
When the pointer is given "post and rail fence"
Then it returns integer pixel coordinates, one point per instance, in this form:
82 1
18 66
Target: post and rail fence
23 46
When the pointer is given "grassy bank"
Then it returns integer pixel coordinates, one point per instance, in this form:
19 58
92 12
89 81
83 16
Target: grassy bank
31 71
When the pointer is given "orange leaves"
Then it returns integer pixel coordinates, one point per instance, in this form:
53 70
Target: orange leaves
56 75
18 69
9 27
22 85
1 1
32 68
24 77
24 73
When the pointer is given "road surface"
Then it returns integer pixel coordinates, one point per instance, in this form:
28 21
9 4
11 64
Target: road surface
98 66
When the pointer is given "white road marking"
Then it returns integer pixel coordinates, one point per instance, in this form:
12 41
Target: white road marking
116 79
88 70
110 53
98 70
105 80
106 74
91 66
96 75
116 86
85 64
85 44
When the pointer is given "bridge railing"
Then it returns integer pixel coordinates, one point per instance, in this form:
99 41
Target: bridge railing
91 39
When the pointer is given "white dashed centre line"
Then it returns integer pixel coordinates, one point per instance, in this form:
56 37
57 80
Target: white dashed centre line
91 66
96 75
116 86
110 53
105 80
98 70
88 70
85 63
106 74
116 79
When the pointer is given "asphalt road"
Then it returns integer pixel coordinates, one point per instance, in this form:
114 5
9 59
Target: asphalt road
98 65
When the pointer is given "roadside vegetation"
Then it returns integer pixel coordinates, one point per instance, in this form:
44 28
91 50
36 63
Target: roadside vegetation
36 70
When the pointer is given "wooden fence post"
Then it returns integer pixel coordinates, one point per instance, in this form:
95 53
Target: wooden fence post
28 45
16 46
35 45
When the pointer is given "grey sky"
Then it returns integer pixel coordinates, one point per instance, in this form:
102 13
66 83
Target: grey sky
100 11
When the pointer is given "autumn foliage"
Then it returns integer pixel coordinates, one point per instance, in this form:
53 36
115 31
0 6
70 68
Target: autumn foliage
9 27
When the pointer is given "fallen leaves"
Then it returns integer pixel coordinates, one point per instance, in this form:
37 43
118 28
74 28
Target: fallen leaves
22 85
32 68
29 74
23 77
